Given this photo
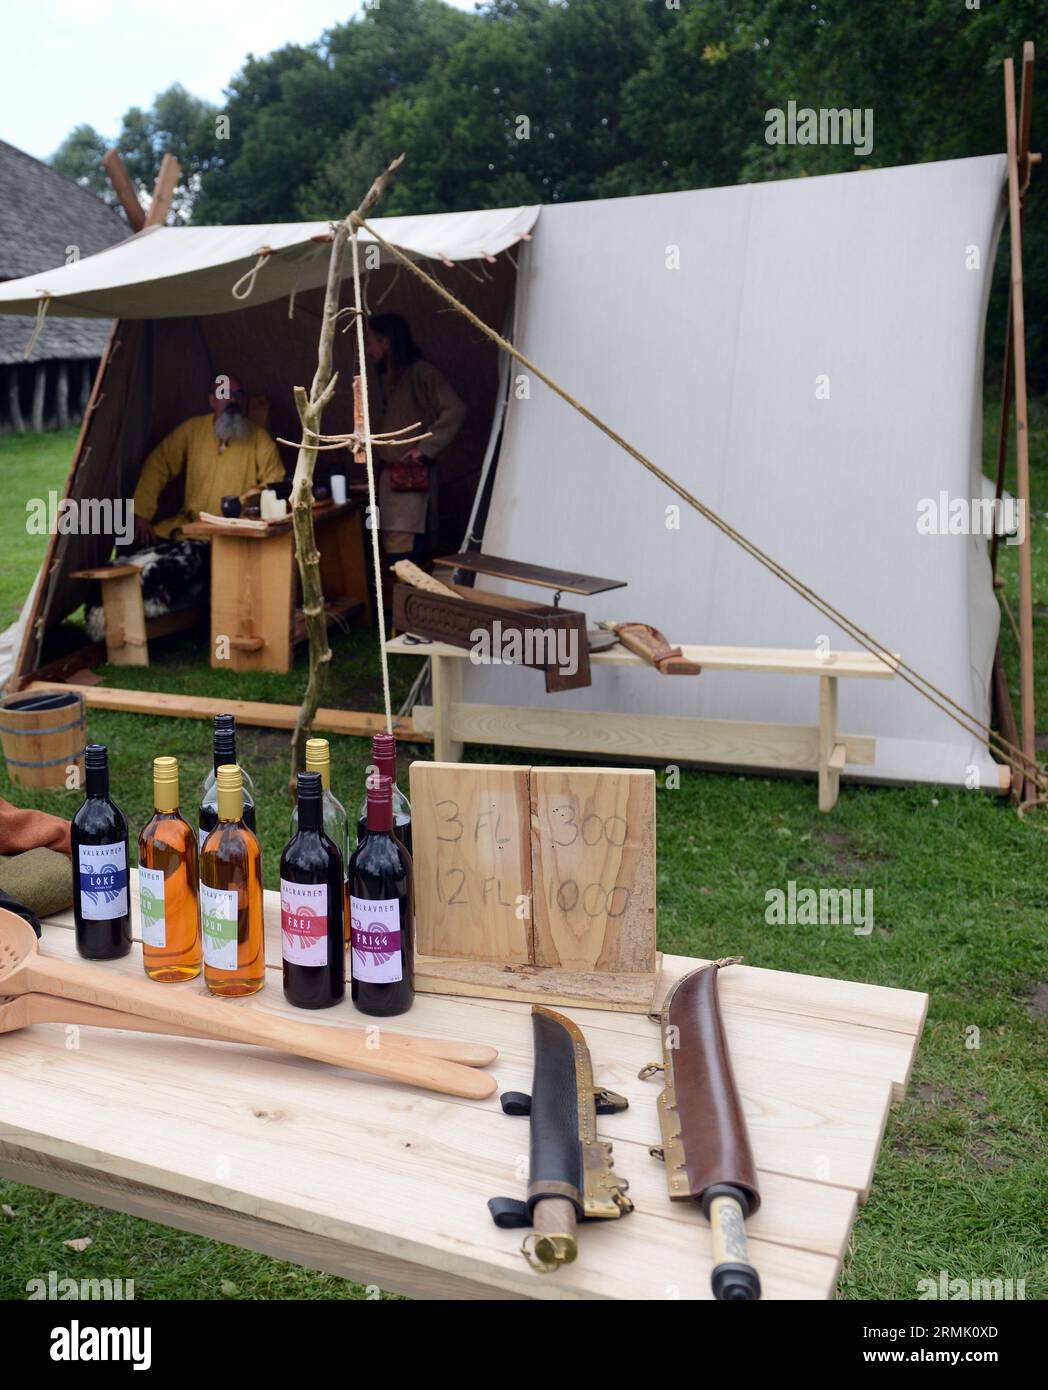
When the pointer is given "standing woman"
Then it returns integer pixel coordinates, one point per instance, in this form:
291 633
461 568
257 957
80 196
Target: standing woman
410 390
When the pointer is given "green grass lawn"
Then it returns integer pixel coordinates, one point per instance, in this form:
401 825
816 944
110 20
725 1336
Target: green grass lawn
960 900
31 465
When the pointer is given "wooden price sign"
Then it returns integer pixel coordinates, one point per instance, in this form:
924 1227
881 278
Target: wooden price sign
535 883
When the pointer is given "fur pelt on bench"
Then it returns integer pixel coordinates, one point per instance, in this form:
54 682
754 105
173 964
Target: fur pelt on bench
174 576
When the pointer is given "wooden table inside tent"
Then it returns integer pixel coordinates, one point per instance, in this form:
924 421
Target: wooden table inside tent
254 580
819 748
388 1185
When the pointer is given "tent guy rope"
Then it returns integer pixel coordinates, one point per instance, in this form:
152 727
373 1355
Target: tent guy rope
1000 747
372 499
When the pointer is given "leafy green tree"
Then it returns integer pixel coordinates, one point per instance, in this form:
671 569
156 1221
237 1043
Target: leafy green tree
554 100
177 123
525 108
79 157
286 111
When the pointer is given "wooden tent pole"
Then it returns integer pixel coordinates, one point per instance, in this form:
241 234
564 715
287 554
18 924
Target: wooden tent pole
14 403
163 191
1022 450
23 665
39 388
124 188
62 396
1025 116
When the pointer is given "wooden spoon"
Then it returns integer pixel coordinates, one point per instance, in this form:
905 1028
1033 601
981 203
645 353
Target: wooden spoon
22 1010
23 970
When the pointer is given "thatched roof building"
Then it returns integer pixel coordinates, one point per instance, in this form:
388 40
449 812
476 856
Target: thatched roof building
42 215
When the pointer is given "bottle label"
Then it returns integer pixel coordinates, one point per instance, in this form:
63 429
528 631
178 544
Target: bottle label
377 957
304 922
103 881
218 922
151 900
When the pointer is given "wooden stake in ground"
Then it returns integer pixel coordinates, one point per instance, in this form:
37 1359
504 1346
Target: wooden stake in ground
310 412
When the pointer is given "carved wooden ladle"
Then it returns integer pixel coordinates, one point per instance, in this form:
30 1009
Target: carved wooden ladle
395 1056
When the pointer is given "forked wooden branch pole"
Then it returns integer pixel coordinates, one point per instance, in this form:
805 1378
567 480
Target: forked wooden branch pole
310 413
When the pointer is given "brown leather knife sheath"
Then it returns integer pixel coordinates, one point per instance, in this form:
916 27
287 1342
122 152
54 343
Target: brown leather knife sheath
714 1145
648 643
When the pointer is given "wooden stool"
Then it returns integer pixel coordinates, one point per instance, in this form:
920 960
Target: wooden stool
128 630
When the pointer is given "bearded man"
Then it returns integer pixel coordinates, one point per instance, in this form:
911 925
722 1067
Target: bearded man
222 454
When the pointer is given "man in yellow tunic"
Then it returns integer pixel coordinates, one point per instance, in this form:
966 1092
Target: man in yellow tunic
220 455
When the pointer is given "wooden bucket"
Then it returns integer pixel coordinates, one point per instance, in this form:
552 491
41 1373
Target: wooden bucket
43 736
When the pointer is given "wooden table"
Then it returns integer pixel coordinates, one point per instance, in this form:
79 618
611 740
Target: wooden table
820 748
254 582
388 1185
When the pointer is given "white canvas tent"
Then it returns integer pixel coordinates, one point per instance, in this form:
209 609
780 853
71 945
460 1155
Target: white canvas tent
805 356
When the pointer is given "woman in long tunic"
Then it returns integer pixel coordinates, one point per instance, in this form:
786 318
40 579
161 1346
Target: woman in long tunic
410 390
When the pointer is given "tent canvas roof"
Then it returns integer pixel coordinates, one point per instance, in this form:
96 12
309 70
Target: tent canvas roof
173 272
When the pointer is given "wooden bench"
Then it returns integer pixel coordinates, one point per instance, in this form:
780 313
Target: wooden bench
128 630
819 748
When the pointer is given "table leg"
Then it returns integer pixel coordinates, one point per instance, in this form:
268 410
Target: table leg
446 679
343 566
252 590
831 753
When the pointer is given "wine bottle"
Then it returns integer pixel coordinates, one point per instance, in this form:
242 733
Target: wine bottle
98 836
225 752
231 896
167 884
381 906
336 822
312 901
384 761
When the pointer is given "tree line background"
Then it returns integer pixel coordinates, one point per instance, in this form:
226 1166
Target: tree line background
621 97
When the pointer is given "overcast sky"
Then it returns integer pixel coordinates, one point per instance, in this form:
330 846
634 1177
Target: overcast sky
67 62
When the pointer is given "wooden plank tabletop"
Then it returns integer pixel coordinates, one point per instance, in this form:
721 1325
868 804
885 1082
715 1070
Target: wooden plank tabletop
570 581
388 1185
323 512
787 661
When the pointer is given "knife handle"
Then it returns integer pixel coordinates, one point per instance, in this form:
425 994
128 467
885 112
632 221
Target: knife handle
552 1242
734 1278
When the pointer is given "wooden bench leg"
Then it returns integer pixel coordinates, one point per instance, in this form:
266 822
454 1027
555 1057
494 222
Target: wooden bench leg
832 755
125 619
446 679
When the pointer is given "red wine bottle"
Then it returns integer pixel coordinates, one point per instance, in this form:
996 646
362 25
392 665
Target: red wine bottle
384 761
101 902
225 753
312 894
382 937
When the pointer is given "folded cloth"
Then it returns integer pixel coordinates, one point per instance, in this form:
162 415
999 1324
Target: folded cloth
21 830
39 878
20 910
